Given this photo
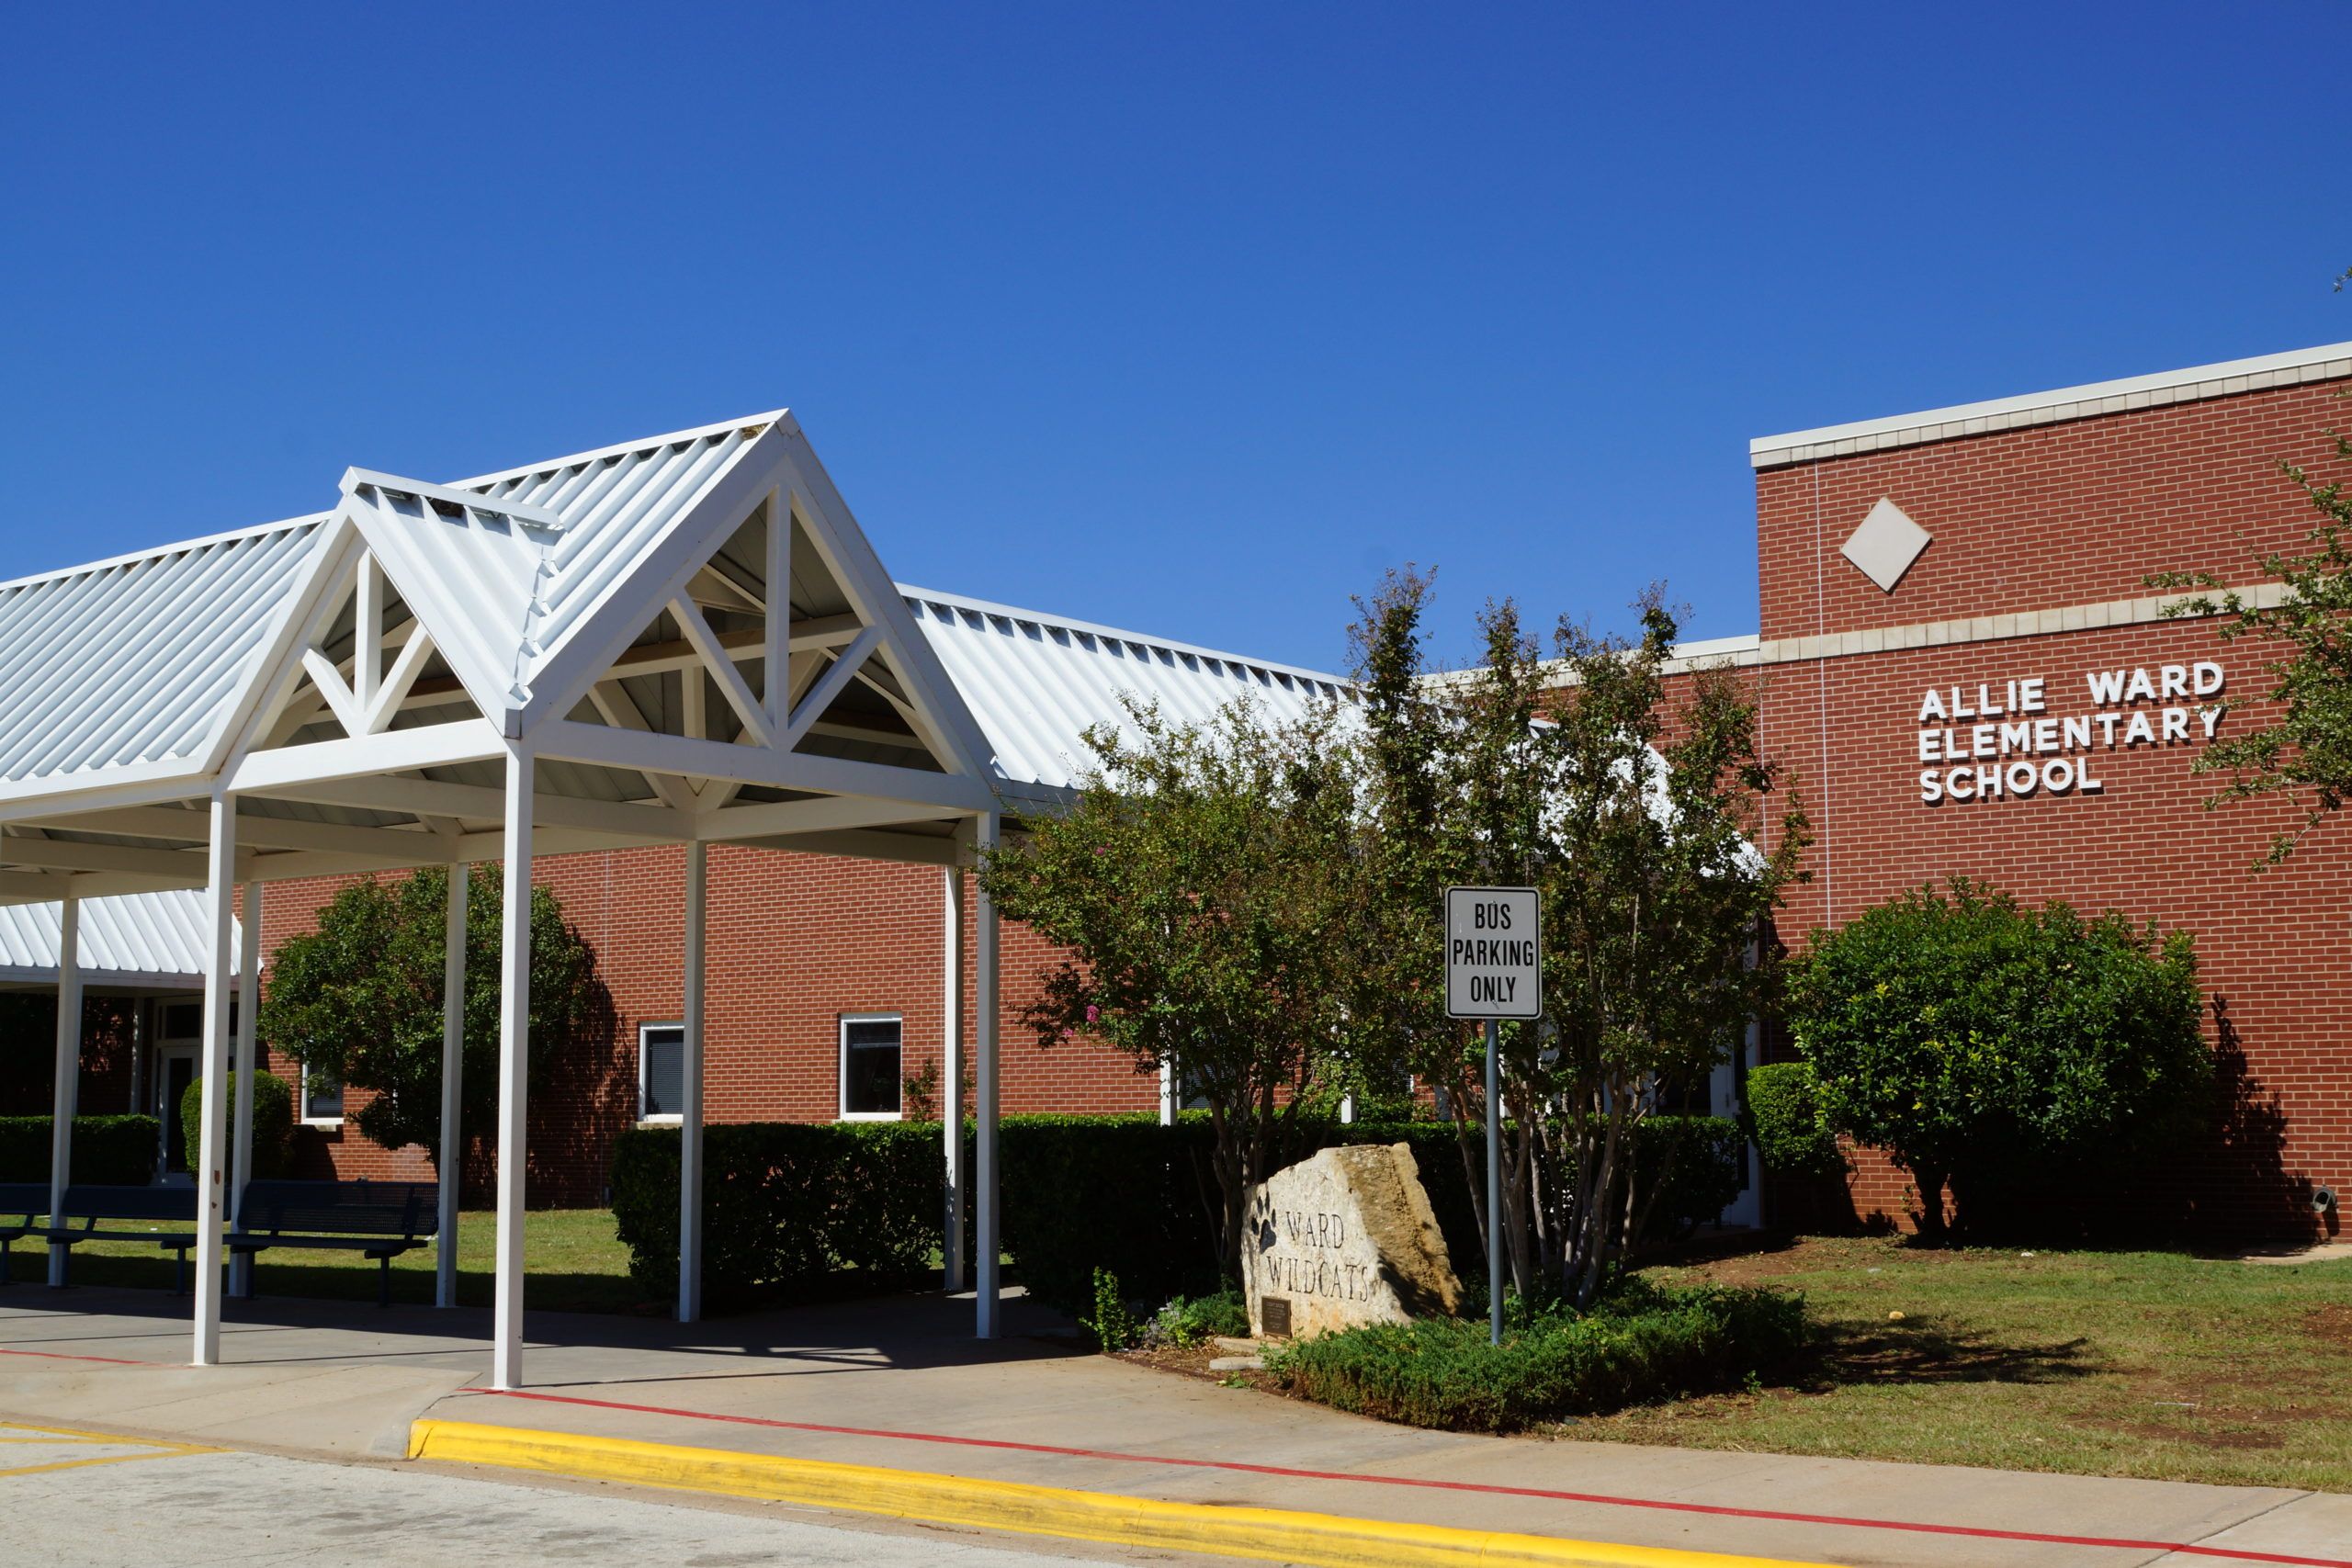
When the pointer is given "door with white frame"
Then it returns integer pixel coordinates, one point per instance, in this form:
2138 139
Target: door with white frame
180 1062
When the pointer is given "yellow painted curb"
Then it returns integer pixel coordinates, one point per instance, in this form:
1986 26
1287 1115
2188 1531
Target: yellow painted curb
1330 1540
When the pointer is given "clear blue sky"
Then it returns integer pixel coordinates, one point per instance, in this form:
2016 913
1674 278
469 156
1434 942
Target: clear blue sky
1189 319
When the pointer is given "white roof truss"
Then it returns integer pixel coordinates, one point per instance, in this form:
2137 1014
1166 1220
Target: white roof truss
616 615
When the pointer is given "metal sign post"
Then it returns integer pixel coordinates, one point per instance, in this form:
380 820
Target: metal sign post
1494 969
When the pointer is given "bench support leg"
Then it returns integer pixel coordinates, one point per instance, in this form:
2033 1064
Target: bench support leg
384 1281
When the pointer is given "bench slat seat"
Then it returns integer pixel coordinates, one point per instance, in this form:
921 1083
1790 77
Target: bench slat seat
20 1202
88 1203
379 1220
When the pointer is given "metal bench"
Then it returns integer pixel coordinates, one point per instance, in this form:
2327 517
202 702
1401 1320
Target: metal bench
376 1219
90 1204
19 1201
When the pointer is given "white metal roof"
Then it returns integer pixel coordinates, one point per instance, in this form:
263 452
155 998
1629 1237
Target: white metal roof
142 939
132 660
2325 363
1036 682
518 585
608 613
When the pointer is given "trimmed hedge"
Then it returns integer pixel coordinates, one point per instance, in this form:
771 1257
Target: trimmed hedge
1126 1194
109 1151
785 1203
790 1203
273 1120
1699 1160
1785 1117
1641 1343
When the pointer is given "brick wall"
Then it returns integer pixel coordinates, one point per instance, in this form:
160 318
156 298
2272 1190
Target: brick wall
794 942
2043 519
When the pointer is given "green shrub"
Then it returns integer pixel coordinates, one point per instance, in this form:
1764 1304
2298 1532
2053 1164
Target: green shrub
110 1151
785 1203
1785 1117
1640 1344
273 1120
1190 1320
1111 1326
2007 1050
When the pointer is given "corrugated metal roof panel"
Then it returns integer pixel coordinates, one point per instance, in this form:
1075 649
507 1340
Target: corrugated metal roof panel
156 936
133 660
1036 683
615 504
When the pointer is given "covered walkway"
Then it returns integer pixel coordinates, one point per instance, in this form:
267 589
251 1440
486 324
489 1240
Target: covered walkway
681 641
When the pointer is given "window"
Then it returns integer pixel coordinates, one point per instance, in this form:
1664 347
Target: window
661 1072
870 1078
321 1099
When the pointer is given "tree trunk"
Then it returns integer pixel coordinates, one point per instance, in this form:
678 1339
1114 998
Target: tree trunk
1929 1181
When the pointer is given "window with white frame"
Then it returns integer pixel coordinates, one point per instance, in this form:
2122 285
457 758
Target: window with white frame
870 1061
322 1098
661 1072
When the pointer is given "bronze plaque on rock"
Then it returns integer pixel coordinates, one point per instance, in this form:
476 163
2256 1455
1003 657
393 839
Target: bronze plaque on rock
1274 1316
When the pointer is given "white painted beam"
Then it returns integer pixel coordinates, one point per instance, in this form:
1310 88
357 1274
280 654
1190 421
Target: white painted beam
449 1165
951 1073
254 832
427 745
751 764
211 1177
768 818
66 1098
721 670
513 1076
248 1061
620 819
690 1139
829 686
985 1245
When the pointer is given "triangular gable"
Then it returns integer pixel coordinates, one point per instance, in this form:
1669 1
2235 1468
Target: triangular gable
472 570
778 470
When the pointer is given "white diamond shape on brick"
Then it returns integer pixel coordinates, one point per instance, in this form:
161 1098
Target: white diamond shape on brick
1885 545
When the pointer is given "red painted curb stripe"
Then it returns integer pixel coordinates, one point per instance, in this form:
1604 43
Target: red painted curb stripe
1970 1531
62 1356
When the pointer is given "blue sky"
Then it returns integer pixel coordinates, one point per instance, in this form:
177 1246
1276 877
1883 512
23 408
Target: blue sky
1185 318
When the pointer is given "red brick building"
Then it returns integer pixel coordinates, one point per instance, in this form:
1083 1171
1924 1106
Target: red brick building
1959 661
1964 668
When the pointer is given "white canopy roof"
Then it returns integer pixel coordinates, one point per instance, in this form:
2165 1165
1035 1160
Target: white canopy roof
138 939
355 679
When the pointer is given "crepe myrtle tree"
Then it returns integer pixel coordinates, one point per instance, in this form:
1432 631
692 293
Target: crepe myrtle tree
1640 818
358 1001
1194 889
2305 754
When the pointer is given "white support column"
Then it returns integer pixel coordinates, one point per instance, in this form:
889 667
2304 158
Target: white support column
951 1071
247 1058
514 1076
450 1167
66 1100
207 1157
984 1239
1168 1094
690 1087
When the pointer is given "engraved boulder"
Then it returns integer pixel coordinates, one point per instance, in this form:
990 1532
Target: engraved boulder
1345 1239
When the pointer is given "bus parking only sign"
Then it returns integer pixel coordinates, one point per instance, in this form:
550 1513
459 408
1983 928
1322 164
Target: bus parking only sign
1494 953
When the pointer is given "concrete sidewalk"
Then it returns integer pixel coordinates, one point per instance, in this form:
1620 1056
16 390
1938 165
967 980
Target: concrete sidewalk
898 1384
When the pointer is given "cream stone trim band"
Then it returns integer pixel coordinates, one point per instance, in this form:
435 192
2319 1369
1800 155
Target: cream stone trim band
2329 362
1746 652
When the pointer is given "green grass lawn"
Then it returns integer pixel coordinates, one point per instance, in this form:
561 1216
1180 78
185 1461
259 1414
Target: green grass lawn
2108 1363
575 1264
